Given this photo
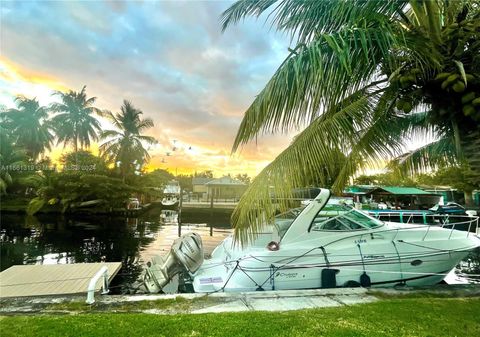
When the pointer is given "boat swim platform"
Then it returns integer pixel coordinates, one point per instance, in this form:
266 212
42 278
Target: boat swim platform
52 279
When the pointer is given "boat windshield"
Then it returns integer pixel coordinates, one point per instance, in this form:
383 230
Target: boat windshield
336 215
340 217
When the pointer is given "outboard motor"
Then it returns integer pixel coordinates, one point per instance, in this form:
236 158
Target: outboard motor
186 254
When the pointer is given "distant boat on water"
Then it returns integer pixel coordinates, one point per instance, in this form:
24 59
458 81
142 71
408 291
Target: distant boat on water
171 194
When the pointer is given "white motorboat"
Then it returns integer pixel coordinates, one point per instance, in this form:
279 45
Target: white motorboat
327 244
171 194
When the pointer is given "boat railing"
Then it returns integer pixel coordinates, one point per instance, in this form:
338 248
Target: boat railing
402 216
471 223
407 217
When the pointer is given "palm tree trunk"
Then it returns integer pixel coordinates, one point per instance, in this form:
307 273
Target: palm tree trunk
75 147
471 150
75 144
456 135
123 172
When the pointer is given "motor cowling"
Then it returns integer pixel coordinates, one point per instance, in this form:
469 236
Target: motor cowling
186 254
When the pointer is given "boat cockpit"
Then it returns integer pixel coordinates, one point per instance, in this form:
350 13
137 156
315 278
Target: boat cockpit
336 215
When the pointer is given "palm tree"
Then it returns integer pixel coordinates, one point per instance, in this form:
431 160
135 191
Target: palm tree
124 146
11 158
28 126
75 123
362 78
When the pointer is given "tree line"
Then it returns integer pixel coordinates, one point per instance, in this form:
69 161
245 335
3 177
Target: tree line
30 130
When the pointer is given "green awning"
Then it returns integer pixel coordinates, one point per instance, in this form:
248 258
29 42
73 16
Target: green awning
359 189
403 190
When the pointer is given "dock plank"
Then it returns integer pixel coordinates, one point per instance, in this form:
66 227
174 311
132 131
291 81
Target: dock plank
57 279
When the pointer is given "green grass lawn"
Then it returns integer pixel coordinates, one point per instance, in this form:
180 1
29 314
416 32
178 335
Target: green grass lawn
389 317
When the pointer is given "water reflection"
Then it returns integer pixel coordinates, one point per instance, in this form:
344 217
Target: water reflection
133 241
169 217
62 240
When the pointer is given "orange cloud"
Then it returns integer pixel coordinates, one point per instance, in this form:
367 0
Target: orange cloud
16 75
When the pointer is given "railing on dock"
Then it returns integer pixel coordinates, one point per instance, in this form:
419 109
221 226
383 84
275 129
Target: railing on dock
91 286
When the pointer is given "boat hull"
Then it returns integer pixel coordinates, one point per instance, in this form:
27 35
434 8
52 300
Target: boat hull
388 258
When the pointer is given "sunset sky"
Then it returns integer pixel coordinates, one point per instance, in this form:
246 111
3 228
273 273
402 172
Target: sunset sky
170 59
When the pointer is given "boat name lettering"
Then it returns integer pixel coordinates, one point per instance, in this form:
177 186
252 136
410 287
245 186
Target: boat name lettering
360 241
286 275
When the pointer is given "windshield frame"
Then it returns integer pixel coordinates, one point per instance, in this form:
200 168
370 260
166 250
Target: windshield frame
349 210
283 216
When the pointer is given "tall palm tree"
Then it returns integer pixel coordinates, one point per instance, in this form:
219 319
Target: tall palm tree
362 78
75 122
125 146
28 126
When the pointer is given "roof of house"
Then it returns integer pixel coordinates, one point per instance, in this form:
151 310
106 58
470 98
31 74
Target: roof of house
200 180
225 181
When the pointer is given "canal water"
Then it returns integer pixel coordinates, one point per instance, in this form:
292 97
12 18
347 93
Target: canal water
133 241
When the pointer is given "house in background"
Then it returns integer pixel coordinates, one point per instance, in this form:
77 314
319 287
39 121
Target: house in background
218 188
198 186
448 193
359 193
406 197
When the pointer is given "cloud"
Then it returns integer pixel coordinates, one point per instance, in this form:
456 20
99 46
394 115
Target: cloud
169 58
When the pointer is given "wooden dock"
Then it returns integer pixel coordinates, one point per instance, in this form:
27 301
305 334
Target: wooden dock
57 279
208 205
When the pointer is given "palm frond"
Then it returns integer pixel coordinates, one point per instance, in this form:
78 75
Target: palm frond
241 9
147 139
314 150
436 154
110 133
146 123
304 19
315 79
